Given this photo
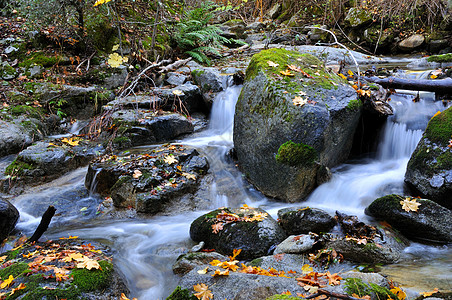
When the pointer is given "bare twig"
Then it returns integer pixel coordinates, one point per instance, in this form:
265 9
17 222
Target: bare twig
175 65
87 60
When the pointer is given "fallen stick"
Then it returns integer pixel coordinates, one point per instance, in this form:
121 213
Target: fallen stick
43 225
175 65
442 86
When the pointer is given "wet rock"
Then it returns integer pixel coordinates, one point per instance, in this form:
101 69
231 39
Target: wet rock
374 34
188 96
9 216
429 170
12 138
175 78
423 63
7 72
147 181
412 42
296 244
255 26
299 220
357 17
115 79
282 147
250 229
187 262
435 46
209 79
431 222
315 35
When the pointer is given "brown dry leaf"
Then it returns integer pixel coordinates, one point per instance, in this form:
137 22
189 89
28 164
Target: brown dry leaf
203 292
272 64
170 159
333 279
287 73
189 176
299 101
137 174
410 204
294 68
18 288
217 227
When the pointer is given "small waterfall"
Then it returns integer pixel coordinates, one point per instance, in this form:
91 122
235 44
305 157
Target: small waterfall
93 185
398 141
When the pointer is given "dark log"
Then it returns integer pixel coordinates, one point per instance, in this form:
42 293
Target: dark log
441 86
43 225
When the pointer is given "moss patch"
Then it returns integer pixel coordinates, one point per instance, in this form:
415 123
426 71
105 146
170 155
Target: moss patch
18 167
181 294
358 287
444 58
439 129
32 112
15 270
293 154
281 297
91 280
354 104
41 59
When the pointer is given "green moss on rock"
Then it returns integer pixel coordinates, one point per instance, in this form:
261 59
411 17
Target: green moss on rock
30 111
444 58
18 167
294 154
354 104
91 280
41 59
15 270
181 294
358 287
439 129
281 297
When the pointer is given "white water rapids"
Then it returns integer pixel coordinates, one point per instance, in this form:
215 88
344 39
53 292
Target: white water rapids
145 249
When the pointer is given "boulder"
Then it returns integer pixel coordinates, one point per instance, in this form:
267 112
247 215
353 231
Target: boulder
187 95
8 218
412 42
357 17
250 229
289 128
208 79
429 170
187 262
174 78
12 138
274 11
431 221
299 220
147 181
296 244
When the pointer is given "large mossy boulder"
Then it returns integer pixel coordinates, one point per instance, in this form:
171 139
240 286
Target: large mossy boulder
8 218
250 229
431 221
290 125
429 171
150 180
357 17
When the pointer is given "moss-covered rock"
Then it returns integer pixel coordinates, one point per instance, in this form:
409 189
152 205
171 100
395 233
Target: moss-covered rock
355 286
358 17
429 170
443 58
282 147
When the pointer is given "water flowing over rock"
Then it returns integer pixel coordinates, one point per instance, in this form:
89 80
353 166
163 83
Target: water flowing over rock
250 229
282 145
298 220
8 218
429 171
431 222
147 181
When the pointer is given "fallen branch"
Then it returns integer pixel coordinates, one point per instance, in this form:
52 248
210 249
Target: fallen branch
175 65
43 225
441 86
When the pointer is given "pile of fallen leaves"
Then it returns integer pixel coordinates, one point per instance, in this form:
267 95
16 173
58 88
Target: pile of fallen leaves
247 214
54 261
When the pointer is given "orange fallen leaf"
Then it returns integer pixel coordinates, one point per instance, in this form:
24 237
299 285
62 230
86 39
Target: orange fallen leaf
18 288
428 294
123 297
203 292
7 282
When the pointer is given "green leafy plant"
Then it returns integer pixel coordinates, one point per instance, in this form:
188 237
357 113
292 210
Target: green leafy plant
195 37
56 105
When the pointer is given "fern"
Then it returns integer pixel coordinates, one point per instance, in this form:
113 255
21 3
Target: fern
195 37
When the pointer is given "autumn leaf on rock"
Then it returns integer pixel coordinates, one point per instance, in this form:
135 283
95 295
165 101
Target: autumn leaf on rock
2 258
218 272
71 141
124 297
77 256
217 227
311 289
299 101
170 159
401 295
89 264
69 238
203 292
189 176
342 76
235 253
428 294
137 174
287 73
350 73
203 271
177 93
333 279
272 64
306 269
7 282
115 60
99 2
410 204
18 288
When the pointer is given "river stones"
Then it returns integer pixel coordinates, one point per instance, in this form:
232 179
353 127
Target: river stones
8 218
149 180
431 221
289 126
250 229
299 220
429 170
187 262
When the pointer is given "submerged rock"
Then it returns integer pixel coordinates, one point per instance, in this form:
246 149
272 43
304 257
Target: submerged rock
9 216
290 125
250 229
429 170
431 221
150 180
298 220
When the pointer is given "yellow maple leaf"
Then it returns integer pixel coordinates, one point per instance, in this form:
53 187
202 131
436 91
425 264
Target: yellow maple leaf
74 256
398 292
18 288
272 64
7 282
218 272
189 176
342 76
203 292
235 253
170 159
215 262
410 204
115 60
349 72
99 2
299 101
287 73
306 269
89 264
70 141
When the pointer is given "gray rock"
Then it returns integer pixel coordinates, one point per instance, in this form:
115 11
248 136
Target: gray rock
429 170
8 218
175 78
296 244
10 49
435 46
305 139
35 71
187 94
116 79
254 238
255 26
412 42
13 138
431 222
275 11
208 79
357 17
255 39
299 220
316 35
367 278
187 262
7 72
422 63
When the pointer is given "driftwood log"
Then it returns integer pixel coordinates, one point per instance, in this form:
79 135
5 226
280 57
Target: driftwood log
440 86
43 225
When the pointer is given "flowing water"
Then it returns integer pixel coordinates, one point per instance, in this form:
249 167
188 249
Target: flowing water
145 249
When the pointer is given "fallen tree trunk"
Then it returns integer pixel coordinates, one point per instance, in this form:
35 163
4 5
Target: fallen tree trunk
441 86
43 225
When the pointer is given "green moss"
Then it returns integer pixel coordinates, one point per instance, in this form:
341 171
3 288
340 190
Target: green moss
293 154
439 129
39 293
31 111
91 280
281 297
12 254
15 269
18 167
444 58
358 287
354 104
256 262
181 294
40 59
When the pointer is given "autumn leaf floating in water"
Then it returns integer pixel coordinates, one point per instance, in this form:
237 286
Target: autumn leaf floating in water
410 204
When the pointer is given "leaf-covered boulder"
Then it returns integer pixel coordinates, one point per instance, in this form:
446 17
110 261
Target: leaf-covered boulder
8 218
427 221
292 120
147 181
429 170
250 229
298 220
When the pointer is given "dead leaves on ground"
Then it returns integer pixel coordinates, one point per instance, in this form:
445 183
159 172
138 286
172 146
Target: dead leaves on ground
225 217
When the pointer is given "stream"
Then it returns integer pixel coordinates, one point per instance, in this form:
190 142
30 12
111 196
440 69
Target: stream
145 249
